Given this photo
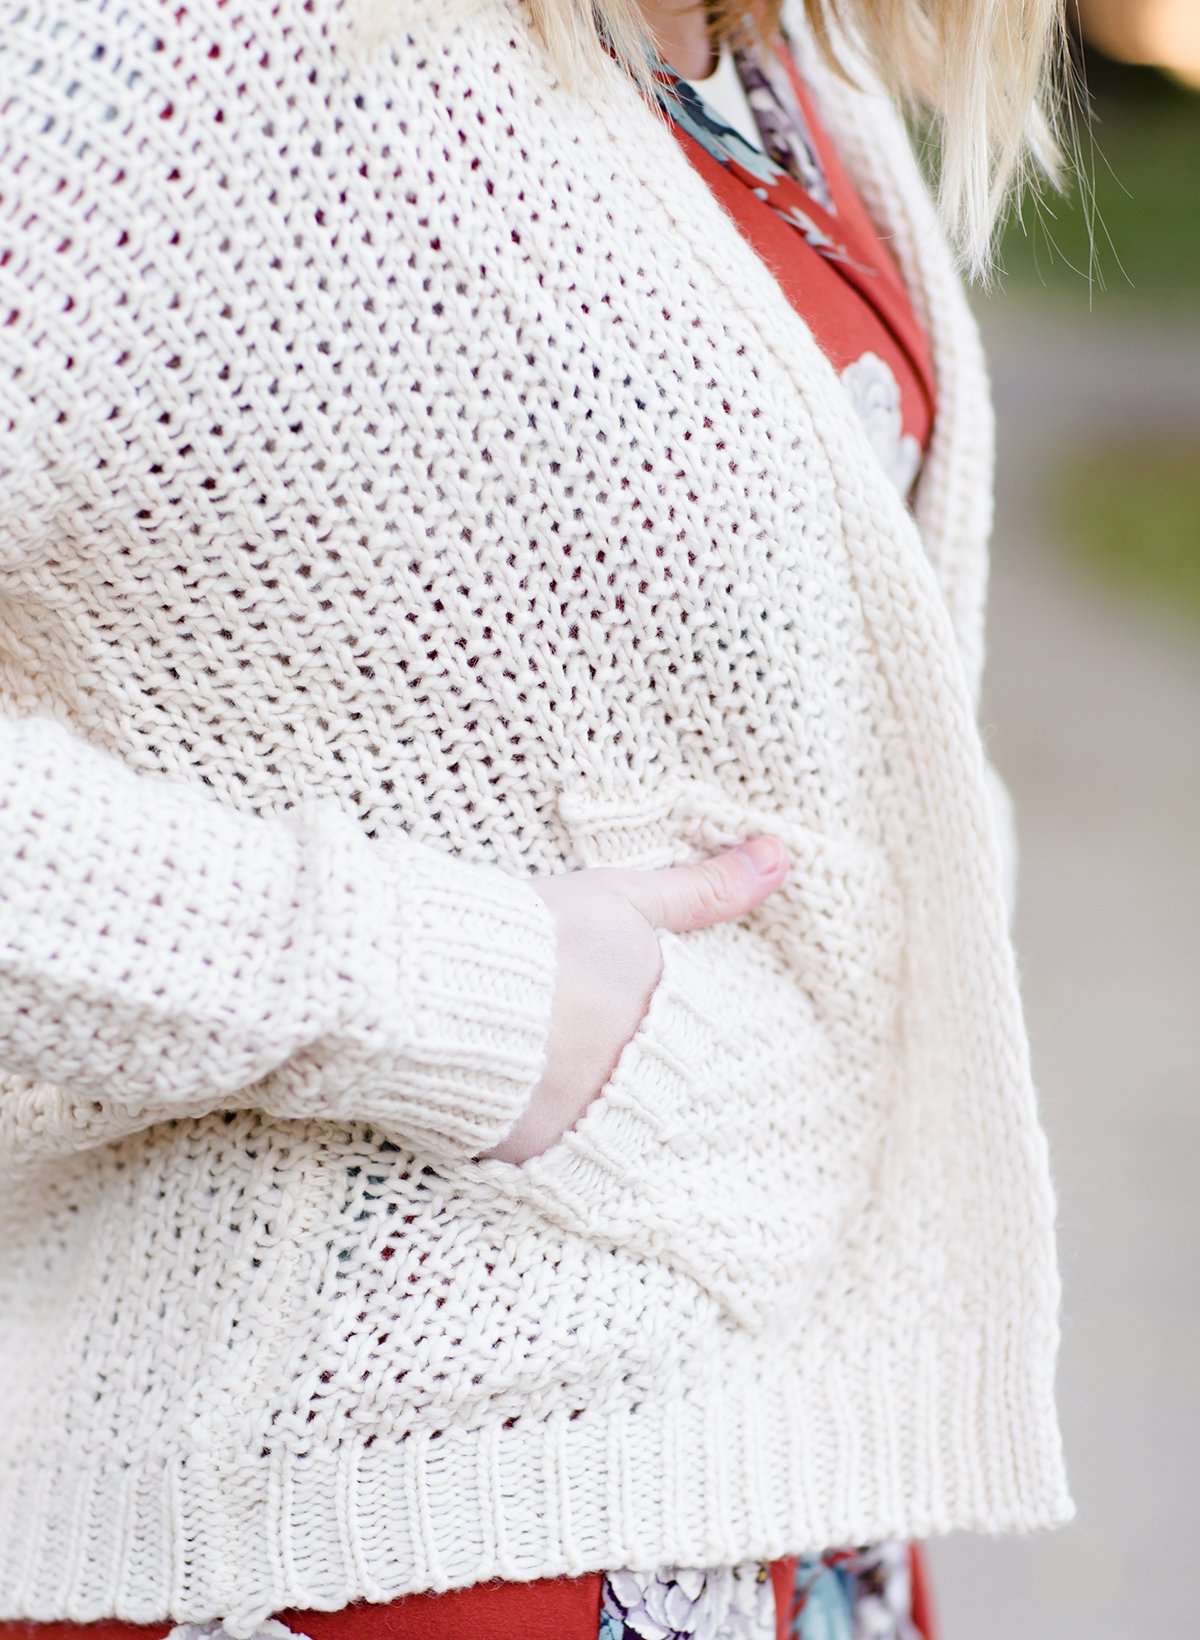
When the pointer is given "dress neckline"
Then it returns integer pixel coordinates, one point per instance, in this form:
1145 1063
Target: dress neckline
795 172
784 167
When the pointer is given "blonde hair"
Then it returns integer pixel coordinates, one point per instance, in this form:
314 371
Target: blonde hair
989 77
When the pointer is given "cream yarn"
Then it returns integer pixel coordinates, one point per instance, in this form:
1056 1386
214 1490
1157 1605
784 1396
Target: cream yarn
413 483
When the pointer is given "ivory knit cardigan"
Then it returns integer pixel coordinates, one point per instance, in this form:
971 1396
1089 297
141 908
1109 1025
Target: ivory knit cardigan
415 483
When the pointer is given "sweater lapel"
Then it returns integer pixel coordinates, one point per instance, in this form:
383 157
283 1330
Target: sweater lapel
954 494
941 552
953 501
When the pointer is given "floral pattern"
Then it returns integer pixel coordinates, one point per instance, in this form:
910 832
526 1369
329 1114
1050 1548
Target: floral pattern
855 1594
788 155
843 1594
875 394
723 1603
781 121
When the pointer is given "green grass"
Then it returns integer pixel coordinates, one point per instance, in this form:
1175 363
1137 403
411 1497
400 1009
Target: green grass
1143 157
1130 513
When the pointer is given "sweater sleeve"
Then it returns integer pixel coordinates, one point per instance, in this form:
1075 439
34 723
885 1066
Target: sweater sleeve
162 953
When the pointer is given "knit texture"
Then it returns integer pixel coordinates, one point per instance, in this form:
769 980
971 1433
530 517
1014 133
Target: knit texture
388 519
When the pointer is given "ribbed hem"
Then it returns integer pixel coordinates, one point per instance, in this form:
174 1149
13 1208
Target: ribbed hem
477 958
775 1454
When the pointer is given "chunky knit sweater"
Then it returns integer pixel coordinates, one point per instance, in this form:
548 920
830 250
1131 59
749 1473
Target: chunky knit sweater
388 518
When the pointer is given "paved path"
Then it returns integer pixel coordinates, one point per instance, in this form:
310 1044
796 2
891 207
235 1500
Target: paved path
1092 712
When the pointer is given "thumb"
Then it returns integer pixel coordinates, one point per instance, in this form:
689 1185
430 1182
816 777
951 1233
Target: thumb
719 889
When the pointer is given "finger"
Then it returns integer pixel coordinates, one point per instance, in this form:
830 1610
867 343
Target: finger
719 889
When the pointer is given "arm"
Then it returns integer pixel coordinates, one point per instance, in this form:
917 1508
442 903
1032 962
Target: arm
164 954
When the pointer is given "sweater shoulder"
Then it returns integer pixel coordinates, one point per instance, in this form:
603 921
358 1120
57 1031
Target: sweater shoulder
177 177
114 109
97 78
137 138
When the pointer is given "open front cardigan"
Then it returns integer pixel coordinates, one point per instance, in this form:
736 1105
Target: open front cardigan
387 518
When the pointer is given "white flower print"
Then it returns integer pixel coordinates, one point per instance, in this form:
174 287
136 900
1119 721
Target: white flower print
722 1603
875 394
214 1629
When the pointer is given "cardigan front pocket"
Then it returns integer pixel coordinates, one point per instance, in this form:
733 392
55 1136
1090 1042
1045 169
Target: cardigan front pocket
739 1135
594 1176
834 927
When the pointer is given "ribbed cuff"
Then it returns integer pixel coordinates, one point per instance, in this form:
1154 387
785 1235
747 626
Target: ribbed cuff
477 973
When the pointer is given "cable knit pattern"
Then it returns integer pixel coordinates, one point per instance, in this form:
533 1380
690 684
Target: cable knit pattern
387 520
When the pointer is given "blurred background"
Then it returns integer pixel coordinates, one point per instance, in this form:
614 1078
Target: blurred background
1092 714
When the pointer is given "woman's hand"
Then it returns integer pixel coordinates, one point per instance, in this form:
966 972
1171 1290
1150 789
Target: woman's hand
609 962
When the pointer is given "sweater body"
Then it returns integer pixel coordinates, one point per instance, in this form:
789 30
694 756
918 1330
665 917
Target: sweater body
382 493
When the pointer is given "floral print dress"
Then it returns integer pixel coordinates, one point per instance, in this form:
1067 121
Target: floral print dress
869 1593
